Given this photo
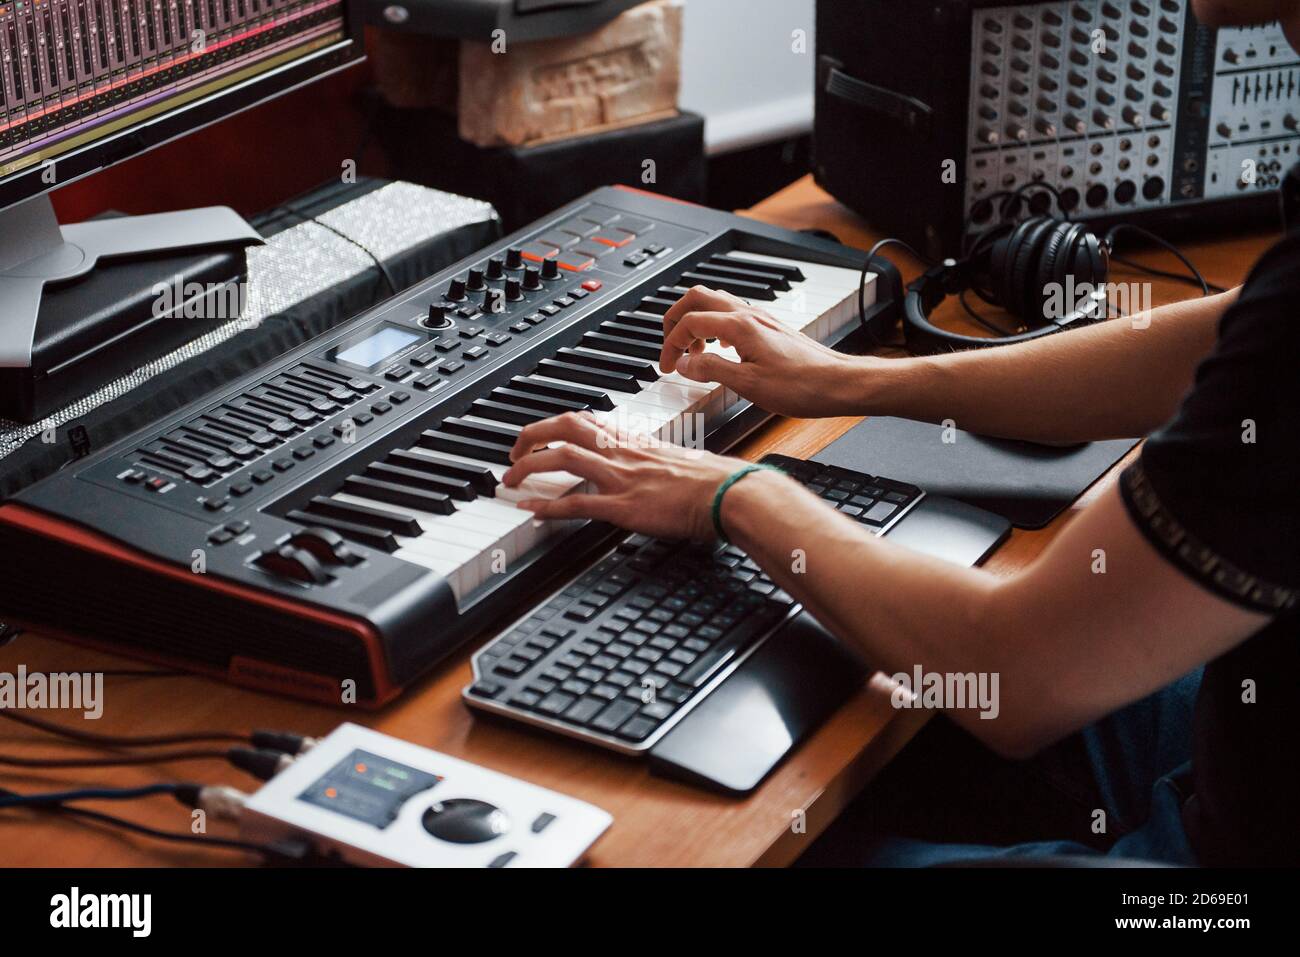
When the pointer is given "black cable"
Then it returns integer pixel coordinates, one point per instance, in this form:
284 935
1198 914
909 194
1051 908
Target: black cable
1165 274
123 741
261 763
379 263
866 267
987 324
287 853
53 798
1152 237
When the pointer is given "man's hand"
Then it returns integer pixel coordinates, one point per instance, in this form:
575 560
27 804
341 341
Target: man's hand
659 489
783 371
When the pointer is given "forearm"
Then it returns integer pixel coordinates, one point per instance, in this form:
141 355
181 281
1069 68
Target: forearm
899 607
1115 379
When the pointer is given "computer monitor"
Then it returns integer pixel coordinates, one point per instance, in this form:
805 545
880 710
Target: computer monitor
88 83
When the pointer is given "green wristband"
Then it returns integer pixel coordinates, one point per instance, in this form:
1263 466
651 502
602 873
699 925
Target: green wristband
722 490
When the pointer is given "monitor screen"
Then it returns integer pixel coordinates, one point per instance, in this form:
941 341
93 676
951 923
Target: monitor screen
76 75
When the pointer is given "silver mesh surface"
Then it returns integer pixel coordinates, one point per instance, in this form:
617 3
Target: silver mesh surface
291 267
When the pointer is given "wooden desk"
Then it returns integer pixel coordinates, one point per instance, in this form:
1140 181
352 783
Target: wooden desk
656 822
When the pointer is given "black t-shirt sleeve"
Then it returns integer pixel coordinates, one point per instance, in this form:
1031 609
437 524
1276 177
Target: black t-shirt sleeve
1217 490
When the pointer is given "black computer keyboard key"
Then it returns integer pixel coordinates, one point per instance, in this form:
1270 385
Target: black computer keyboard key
571 392
366 535
637 729
637 368
364 515
633 348
505 412
477 449
401 495
880 513
480 477
586 375
614 715
458 489
555 703
658 710
584 710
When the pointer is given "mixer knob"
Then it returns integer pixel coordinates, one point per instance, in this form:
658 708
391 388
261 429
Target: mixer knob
550 270
1020 65
1134 72
456 291
1018 108
1139 30
1018 87
1161 90
1103 119
1047 104
1075 124
1110 11
1160 112
987 135
514 291
1022 44
1165 48
1048 84
987 112
1049 62
514 258
1045 126
1134 94
496 268
1140 8
494 301
1018 132
1230 55
1289 121
476 283
1105 75
532 279
1131 116
1022 22
1077 79
1105 97
1080 36
1051 39
1224 130
1167 26
1075 100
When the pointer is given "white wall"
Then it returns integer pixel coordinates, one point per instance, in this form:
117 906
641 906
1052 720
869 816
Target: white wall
739 71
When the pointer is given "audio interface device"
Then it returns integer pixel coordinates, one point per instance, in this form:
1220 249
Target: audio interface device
1119 110
368 799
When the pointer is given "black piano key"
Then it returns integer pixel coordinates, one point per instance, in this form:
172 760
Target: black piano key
642 320
480 479
788 270
624 347
756 274
572 372
737 287
374 537
480 430
506 412
535 400
653 336
361 515
654 304
393 474
594 398
637 368
403 495
671 293
462 445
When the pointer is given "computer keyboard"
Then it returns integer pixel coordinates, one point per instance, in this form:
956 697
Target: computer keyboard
625 651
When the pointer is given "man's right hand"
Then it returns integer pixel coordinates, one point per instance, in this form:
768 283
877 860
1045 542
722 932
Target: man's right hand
783 371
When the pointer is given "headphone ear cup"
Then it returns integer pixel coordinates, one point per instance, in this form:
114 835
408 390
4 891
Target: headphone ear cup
1002 256
1023 265
1055 249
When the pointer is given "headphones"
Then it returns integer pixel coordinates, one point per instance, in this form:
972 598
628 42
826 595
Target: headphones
1048 273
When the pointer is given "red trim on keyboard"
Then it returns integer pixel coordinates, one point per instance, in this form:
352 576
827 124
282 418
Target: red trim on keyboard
242 670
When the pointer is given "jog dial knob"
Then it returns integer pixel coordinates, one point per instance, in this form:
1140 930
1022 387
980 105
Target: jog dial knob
476 283
514 292
532 279
496 268
514 258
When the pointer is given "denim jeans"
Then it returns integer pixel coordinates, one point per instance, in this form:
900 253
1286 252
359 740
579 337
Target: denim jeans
1114 788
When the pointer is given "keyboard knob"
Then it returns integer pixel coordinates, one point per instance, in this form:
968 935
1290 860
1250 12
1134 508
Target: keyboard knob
514 258
496 268
296 564
437 318
476 283
550 269
514 292
532 279
456 291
